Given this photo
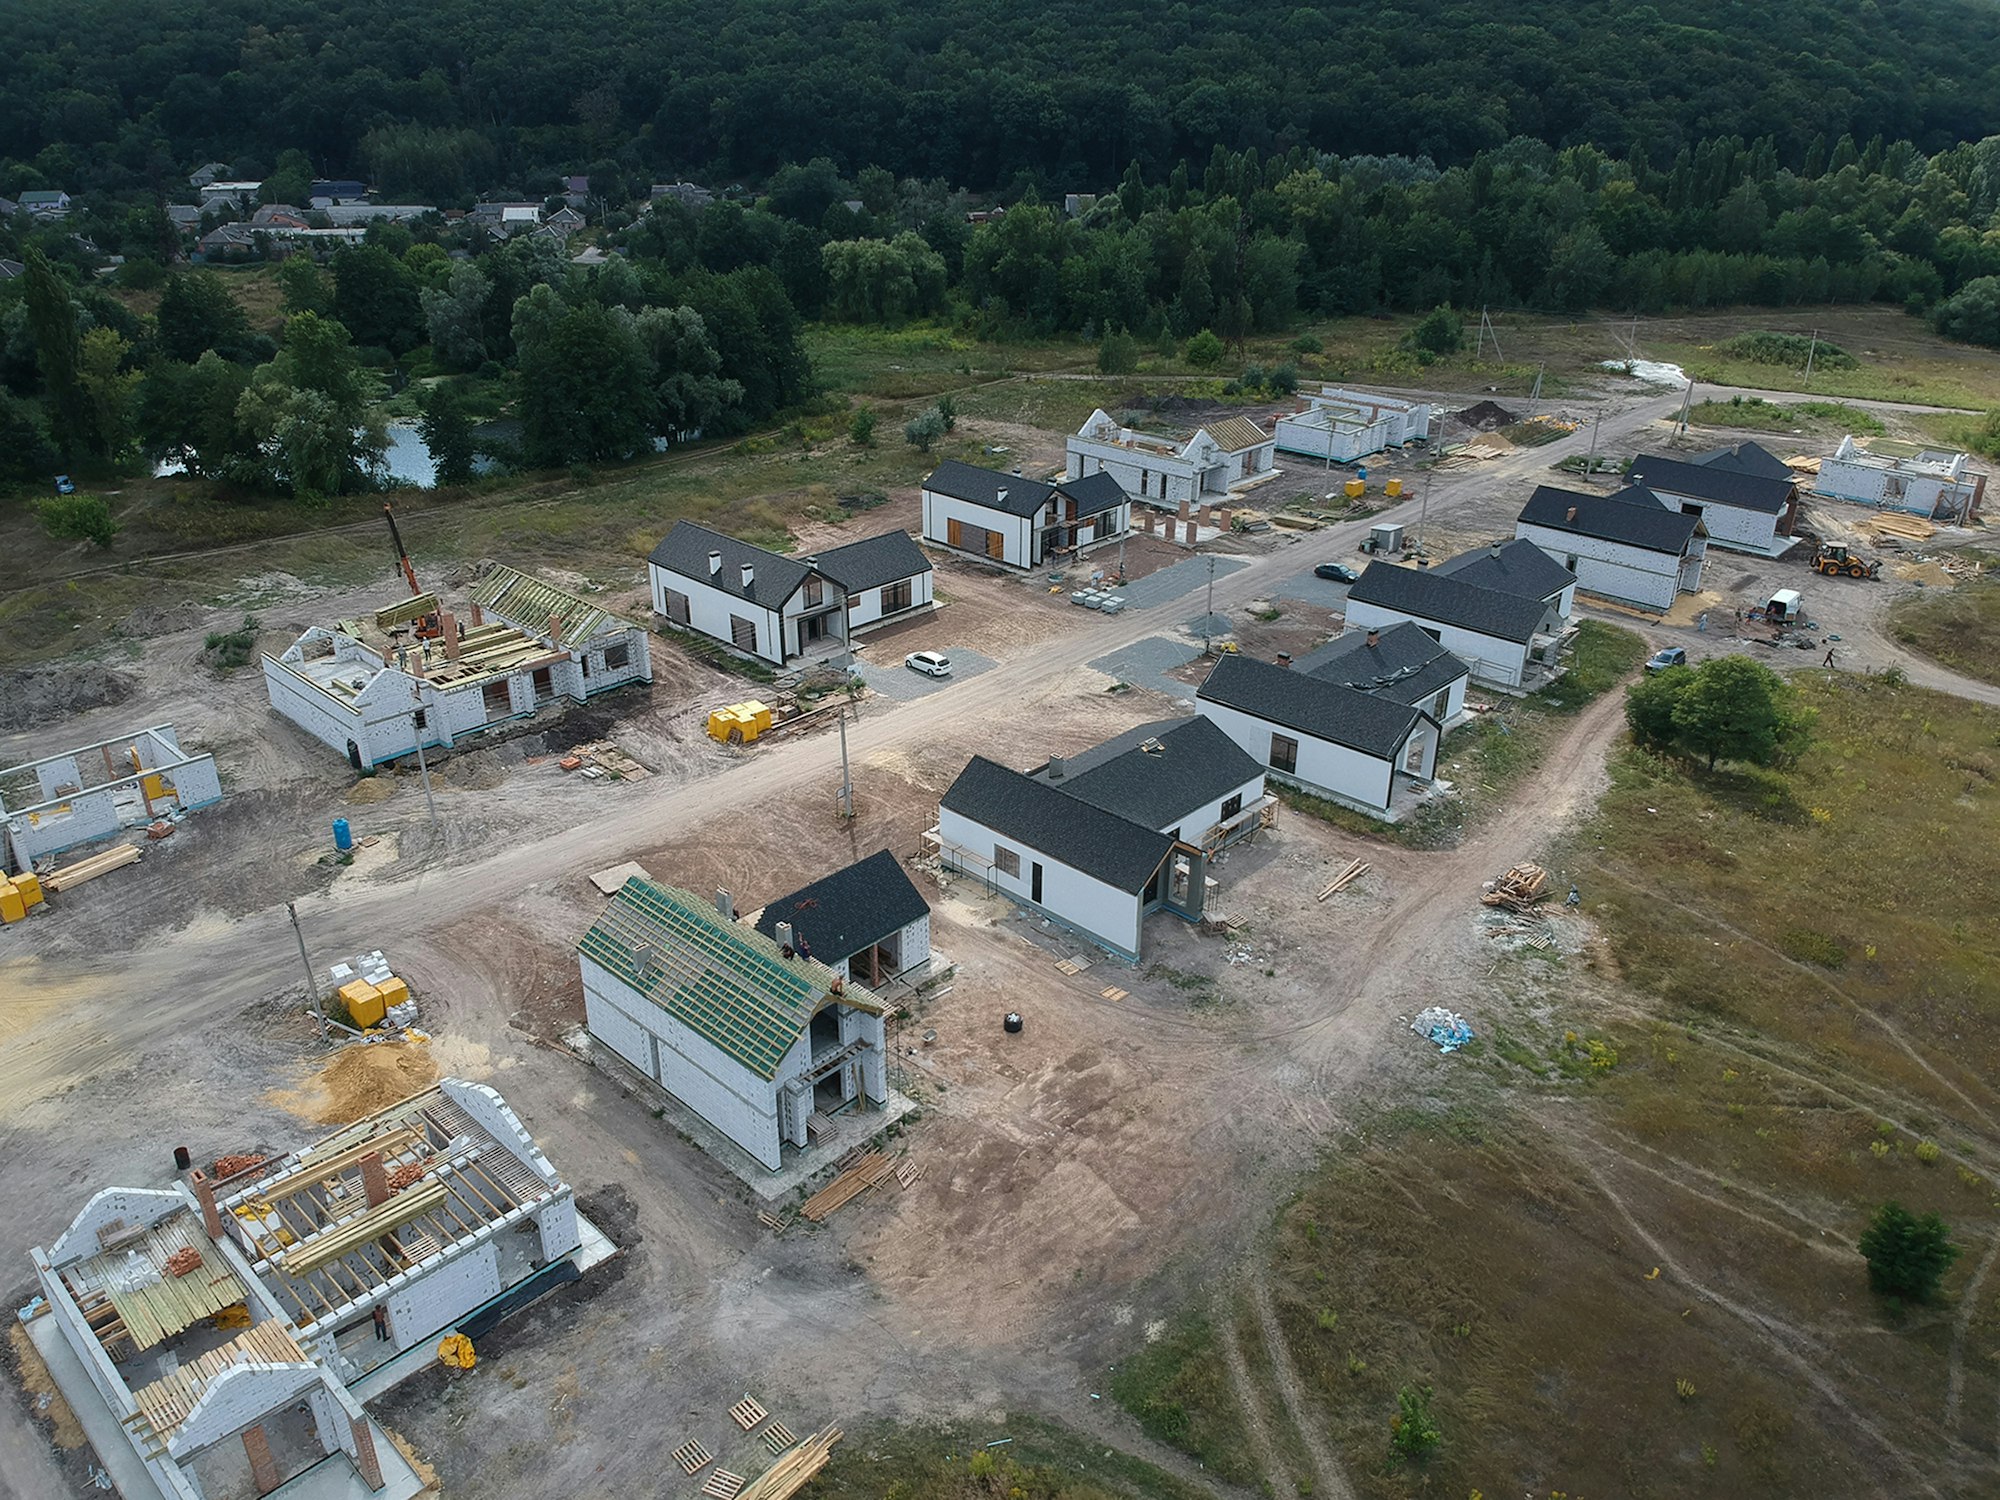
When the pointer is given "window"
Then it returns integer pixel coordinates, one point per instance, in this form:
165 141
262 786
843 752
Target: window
743 633
1284 753
1438 705
617 656
1433 634
895 596
1232 807
1413 759
422 717
496 698
677 606
815 593
1006 860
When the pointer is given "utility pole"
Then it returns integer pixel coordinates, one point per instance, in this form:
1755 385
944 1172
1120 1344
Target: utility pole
1590 460
1208 614
1535 396
1687 401
1811 350
846 776
423 766
312 983
1424 505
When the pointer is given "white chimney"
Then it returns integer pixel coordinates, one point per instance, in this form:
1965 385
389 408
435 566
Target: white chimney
784 934
749 573
726 905
1001 498
714 563
1496 549
1056 768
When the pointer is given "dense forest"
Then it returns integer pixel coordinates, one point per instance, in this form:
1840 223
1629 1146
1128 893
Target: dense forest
107 94
1605 158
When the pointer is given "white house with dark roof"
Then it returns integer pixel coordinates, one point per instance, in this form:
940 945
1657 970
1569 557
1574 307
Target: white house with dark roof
1182 777
1092 871
752 1036
1400 663
1327 736
1515 567
1166 470
867 922
1625 546
1504 638
775 607
1740 504
1020 522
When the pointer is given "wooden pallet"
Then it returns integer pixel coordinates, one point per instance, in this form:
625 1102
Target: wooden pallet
1112 992
1067 966
772 1221
747 1413
693 1457
849 1185
778 1437
910 1173
723 1485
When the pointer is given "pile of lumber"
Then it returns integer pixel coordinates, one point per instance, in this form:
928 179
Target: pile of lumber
1904 528
1354 871
89 869
1519 889
791 1473
848 1186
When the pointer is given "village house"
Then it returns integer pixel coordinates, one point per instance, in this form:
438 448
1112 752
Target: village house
1341 425
866 922
325 192
206 173
1353 745
1505 638
360 215
370 688
1400 663
8 208
763 1043
688 194
1741 504
1020 522
1929 482
1515 567
1624 546
46 205
236 195
1181 777
775 607
1165 470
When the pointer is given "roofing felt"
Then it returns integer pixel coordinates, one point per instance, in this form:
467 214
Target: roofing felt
726 982
685 549
1195 764
1236 434
1632 516
1747 458
531 605
1119 852
1093 493
1513 567
989 487
1404 665
1422 593
850 909
1331 711
1713 483
874 561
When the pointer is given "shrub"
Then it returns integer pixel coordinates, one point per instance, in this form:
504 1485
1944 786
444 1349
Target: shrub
923 431
1907 1256
1790 350
1204 350
1306 343
1413 1431
862 428
227 650
1117 354
78 518
1439 332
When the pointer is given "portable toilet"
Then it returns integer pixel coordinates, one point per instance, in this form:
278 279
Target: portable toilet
1387 537
1356 488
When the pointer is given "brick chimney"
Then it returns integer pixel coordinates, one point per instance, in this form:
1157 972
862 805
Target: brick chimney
374 1179
555 630
1374 636
448 624
1571 518
204 1194
478 615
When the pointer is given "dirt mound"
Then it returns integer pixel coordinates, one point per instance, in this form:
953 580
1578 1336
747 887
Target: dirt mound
164 619
360 1080
1484 417
370 790
35 695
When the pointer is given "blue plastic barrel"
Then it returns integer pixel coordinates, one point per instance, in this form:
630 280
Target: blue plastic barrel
342 839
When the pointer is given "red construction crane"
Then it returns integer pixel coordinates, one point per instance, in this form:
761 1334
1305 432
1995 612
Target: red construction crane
402 552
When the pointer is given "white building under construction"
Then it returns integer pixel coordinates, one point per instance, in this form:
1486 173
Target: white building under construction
1340 425
371 687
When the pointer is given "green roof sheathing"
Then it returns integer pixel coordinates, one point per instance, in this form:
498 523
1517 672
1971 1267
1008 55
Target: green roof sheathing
726 982
529 604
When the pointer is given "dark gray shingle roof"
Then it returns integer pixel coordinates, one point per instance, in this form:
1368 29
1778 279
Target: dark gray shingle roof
1633 516
685 550
1747 458
989 487
874 561
850 909
1196 764
1093 493
1513 567
1102 845
1713 483
1422 593
1332 711
1404 665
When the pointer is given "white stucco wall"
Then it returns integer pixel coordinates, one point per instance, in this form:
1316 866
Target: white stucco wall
1611 569
1107 916
1016 531
1322 766
866 606
1193 824
1490 659
1727 525
430 1302
710 609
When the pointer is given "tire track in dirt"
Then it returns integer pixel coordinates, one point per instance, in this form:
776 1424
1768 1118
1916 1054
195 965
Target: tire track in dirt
1329 1478
1276 1478
1816 1241
1782 1340
1633 882
1968 1304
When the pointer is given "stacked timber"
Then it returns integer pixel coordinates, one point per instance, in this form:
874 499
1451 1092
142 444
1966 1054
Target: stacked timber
70 876
791 1473
1519 889
848 1186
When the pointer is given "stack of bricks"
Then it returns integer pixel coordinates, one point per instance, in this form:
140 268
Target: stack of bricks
403 1176
183 1261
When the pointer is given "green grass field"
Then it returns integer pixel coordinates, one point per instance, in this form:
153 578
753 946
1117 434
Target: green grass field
1818 419
1958 627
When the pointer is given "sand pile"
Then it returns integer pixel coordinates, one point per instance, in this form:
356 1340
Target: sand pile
359 1080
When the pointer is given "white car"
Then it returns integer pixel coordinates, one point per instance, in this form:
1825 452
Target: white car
930 663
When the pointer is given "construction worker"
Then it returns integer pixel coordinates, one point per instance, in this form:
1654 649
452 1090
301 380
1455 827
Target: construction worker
382 1324
1574 899
1828 663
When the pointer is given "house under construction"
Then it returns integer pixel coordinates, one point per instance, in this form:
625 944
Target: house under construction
371 687
131 779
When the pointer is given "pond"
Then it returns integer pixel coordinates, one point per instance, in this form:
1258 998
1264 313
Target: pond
406 462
